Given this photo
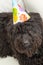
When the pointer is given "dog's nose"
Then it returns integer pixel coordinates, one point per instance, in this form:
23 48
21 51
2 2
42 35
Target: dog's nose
26 43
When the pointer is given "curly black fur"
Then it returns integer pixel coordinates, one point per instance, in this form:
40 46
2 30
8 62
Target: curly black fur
23 40
5 19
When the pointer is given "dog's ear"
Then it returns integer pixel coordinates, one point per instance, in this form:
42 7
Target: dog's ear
5 17
35 15
36 18
2 16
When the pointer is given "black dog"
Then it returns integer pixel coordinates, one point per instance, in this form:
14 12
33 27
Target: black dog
23 40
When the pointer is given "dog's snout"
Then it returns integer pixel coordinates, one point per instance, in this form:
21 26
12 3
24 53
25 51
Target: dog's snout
26 40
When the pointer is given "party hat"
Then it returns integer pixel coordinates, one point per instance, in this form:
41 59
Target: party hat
19 15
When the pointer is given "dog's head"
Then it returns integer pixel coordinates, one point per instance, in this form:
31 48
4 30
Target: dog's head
26 37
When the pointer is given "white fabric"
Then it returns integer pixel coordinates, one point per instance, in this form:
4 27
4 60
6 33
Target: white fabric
9 61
